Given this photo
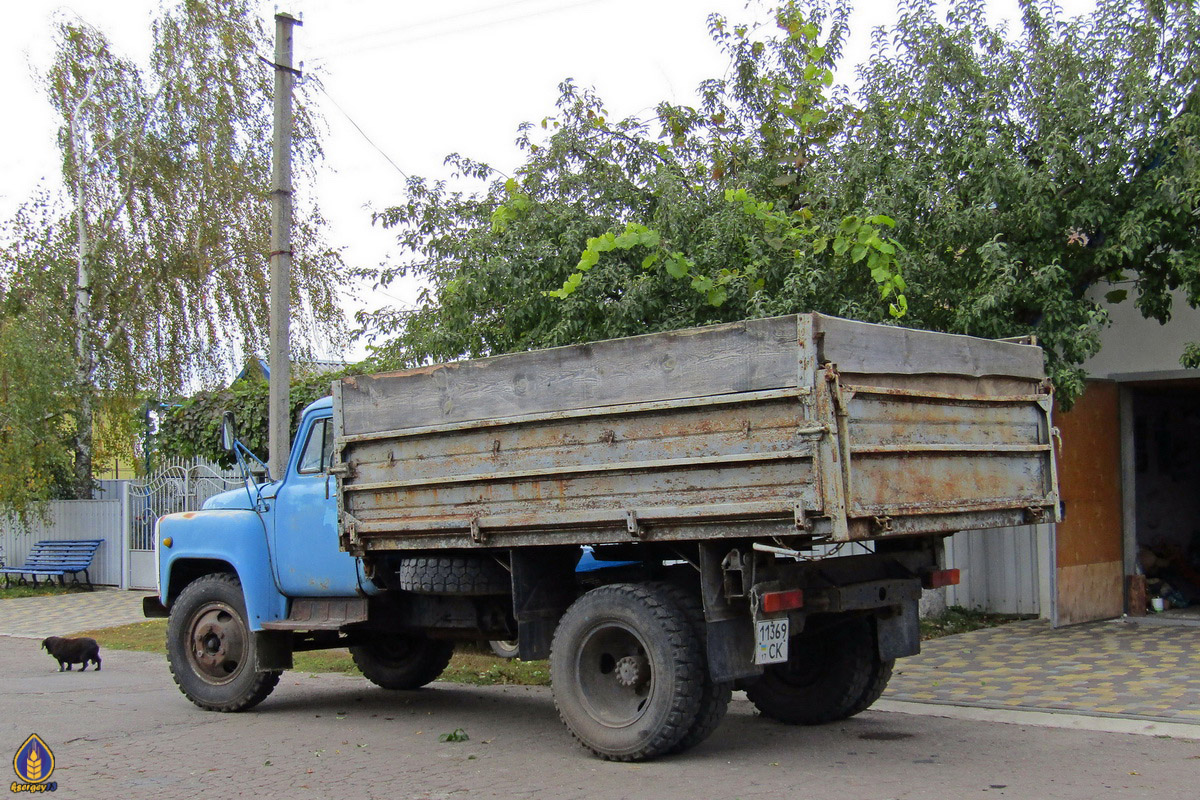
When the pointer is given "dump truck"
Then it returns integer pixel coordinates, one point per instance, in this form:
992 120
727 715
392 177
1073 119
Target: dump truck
771 495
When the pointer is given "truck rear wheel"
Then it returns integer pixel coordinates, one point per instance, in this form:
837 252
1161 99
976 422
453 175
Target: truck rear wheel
402 662
832 672
210 648
714 696
626 669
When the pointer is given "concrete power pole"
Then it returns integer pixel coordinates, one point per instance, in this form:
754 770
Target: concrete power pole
279 417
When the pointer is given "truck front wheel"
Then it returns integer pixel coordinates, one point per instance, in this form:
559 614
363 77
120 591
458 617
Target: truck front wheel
402 662
210 648
832 672
626 669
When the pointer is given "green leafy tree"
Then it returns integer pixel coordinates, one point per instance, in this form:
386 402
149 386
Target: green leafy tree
1029 170
36 400
615 227
192 427
166 170
978 179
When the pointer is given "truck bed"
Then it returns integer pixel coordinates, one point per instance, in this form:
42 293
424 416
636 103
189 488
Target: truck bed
803 426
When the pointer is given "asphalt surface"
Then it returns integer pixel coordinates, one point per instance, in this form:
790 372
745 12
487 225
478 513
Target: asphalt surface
1018 711
127 732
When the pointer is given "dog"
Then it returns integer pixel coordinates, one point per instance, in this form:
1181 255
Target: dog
72 651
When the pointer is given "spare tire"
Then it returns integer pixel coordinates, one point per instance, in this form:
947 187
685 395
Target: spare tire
454 575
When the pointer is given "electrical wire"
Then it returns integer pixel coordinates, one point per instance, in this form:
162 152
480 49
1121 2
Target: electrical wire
453 32
430 22
361 132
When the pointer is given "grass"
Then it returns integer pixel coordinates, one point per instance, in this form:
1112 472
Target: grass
43 588
474 664
470 663
957 619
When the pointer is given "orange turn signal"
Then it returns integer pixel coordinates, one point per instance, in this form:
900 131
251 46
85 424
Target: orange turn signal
939 578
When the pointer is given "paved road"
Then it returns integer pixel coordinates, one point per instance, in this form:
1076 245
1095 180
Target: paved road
127 732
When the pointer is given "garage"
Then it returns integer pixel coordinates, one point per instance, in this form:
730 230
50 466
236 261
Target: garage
1165 535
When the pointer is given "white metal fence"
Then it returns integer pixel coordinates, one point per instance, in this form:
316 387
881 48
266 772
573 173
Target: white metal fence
123 516
71 519
176 486
1006 570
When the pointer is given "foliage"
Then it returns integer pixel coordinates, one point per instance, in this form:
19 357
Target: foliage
155 272
699 220
957 619
1030 171
192 426
44 587
1024 170
35 397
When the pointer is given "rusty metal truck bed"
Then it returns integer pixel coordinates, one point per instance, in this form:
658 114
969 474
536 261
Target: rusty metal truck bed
805 426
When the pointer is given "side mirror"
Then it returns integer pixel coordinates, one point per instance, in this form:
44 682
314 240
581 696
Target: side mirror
228 432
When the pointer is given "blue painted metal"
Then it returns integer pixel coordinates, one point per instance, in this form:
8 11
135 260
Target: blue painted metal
280 538
235 536
303 519
589 563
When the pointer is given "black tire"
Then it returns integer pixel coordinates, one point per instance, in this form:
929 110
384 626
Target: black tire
505 648
210 648
475 576
626 670
831 672
714 696
875 686
402 662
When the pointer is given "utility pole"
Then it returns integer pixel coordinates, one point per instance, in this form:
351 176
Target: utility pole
279 415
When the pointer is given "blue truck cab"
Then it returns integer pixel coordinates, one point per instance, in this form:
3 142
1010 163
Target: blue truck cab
279 538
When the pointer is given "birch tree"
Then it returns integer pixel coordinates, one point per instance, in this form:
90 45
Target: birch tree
166 174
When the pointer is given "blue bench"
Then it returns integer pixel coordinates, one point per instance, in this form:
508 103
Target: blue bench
50 558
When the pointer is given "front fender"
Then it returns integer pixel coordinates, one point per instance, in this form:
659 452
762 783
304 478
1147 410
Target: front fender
198 542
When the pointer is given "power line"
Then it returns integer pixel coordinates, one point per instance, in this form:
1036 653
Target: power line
461 29
362 133
429 22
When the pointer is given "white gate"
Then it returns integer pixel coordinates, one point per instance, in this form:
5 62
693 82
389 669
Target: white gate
180 486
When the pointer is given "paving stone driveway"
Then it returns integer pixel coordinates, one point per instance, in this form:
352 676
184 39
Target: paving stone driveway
60 615
1116 669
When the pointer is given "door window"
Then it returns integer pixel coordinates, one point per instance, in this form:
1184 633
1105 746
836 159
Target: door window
317 449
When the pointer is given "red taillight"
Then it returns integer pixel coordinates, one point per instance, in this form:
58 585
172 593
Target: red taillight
939 578
782 601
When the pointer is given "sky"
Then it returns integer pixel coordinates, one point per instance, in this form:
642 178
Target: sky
409 82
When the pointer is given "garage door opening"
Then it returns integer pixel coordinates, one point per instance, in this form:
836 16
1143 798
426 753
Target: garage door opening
1166 466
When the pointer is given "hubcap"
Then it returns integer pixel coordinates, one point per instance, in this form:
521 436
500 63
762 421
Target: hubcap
217 643
614 675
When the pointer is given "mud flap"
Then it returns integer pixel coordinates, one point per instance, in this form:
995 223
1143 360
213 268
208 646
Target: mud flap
543 588
153 608
899 631
272 651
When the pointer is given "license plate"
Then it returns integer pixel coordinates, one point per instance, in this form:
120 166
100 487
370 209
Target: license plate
771 640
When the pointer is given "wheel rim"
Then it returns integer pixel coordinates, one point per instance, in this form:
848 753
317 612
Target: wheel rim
395 652
804 667
217 643
614 675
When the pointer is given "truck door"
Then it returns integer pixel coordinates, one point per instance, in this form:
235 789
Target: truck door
308 560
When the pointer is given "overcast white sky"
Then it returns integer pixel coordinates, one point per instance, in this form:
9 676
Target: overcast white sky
421 79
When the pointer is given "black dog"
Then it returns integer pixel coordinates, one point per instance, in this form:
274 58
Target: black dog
72 651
